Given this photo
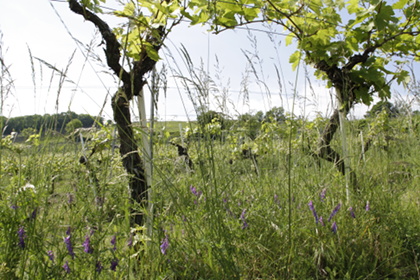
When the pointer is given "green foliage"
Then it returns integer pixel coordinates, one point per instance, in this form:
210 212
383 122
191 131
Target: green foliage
386 106
6 142
27 132
47 122
275 114
225 14
212 129
72 125
207 117
362 38
224 221
211 217
93 5
250 124
34 139
146 20
379 129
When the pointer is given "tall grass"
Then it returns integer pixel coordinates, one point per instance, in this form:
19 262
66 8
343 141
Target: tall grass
223 221
284 216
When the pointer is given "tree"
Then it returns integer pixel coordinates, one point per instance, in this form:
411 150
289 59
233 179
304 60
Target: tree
27 132
88 120
139 40
42 123
72 125
275 114
383 106
251 124
355 45
206 117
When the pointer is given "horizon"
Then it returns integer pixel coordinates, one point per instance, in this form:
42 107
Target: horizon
45 41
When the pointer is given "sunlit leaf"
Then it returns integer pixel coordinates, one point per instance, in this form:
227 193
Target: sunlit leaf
399 4
289 38
152 52
353 6
294 59
383 16
403 77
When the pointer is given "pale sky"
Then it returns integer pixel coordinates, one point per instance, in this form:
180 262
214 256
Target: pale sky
35 26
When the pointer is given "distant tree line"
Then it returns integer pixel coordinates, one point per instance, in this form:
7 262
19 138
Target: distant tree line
47 122
250 123
391 109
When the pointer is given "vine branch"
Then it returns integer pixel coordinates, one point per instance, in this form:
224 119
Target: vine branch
112 50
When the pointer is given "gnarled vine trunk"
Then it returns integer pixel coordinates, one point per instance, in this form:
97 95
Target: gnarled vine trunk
129 153
345 90
325 150
132 84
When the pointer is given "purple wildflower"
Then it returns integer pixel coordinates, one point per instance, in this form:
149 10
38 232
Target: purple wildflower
22 235
334 211
244 223
99 266
165 245
130 240
367 206
226 205
34 213
352 212
195 192
323 193
86 244
50 255
14 206
66 267
114 242
243 214
311 206
334 227
67 240
68 231
114 264
321 221
70 198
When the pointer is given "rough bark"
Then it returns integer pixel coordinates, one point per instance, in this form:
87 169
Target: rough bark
129 153
112 50
345 89
183 153
132 83
325 151
346 94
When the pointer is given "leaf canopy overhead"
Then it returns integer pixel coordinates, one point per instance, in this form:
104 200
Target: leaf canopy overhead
147 26
368 41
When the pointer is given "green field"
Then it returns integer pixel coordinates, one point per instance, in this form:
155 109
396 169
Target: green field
284 215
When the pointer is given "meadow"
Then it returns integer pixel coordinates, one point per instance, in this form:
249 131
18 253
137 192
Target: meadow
284 215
